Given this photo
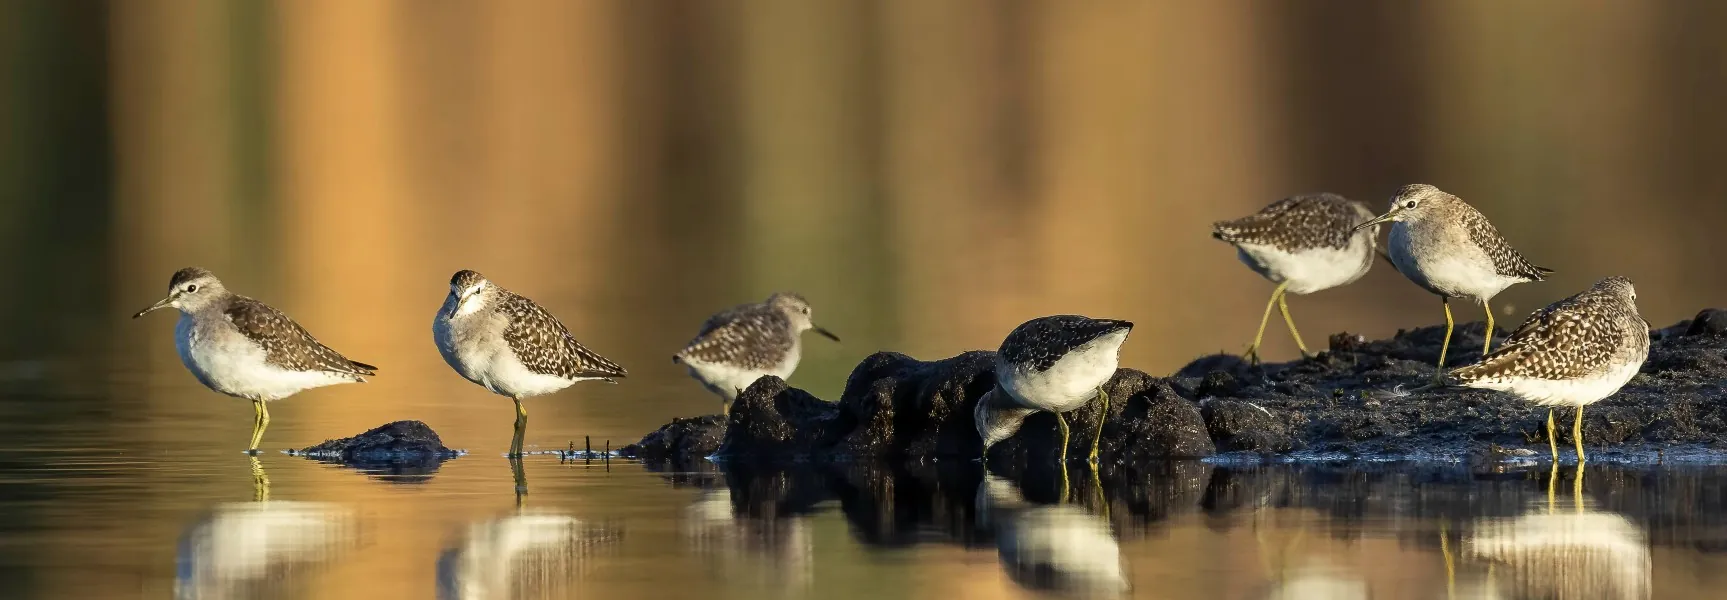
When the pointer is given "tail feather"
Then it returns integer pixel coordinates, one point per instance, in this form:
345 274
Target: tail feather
363 368
1493 365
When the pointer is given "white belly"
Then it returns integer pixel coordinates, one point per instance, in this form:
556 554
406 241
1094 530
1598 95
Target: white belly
1309 271
728 381
1070 382
1574 392
228 362
484 357
1465 272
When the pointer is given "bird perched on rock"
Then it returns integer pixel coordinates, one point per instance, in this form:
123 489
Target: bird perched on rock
1055 364
1574 352
1304 244
741 344
246 349
512 347
1448 248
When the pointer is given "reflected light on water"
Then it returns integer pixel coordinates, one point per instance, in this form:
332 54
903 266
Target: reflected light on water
777 553
530 554
1562 553
1055 547
257 549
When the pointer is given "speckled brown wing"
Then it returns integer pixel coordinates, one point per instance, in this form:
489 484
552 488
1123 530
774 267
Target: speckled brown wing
1577 337
752 336
1040 342
286 344
1506 259
544 346
1296 223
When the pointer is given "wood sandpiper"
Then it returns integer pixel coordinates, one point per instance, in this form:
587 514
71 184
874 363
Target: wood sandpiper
1055 364
1304 244
741 344
1574 352
246 349
1448 248
509 345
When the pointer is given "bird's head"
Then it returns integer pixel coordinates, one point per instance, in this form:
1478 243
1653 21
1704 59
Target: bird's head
470 291
1413 202
189 289
797 309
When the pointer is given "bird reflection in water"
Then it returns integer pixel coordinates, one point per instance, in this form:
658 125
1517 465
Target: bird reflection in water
776 549
1052 547
1560 552
254 549
531 553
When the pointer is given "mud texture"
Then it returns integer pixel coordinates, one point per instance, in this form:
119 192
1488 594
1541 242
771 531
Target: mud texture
399 448
1358 399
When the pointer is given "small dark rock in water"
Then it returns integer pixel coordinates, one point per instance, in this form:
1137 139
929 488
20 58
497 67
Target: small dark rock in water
402 447
1361 398
686 438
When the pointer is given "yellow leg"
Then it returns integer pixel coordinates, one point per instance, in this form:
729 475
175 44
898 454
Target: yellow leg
1283 305
521 479
1552 480
260 482
1577 489
1552 442
1577 434
1061 419
1488 345
1102 498
260 422
521 428
1446 345
1101 415
1450 568
1253 351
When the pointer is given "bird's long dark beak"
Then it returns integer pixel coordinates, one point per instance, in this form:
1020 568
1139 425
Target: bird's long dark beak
163 303
1375 221
825 332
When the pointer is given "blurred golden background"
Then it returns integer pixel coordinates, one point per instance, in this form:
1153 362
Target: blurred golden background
929 174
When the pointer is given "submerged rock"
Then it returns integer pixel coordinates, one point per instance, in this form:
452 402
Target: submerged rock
399 448
1359 398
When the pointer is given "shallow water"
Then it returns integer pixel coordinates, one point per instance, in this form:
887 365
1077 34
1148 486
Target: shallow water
84 517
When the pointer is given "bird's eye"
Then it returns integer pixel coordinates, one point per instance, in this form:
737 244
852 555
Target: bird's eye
191 288
1409 204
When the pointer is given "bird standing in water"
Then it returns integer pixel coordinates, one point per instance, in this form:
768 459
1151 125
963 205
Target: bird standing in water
509 345
244 348
1304 244
1448 248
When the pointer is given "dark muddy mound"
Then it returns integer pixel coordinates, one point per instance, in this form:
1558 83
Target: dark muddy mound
1349 401
402 448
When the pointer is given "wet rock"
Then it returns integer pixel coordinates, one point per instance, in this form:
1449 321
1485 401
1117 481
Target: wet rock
905 406
1237 425
771 420
1712 321
1358 398
695 437
399 448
